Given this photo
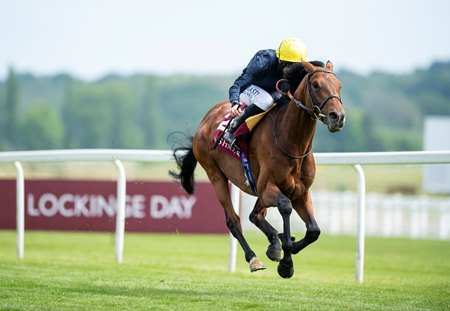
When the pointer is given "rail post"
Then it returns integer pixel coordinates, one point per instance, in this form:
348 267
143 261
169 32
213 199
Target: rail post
236 201
20 209
361 221
120 213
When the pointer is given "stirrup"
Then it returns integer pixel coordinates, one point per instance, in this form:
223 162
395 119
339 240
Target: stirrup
232 141
233 144
229 138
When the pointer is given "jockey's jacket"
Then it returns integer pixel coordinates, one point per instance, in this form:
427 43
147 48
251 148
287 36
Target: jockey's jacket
263 70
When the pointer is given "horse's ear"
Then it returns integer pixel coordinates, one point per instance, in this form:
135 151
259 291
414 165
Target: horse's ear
329 66
308 66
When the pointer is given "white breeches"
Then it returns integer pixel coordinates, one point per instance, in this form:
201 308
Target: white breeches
256 95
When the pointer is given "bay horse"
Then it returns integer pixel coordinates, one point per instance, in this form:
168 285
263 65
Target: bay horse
281 160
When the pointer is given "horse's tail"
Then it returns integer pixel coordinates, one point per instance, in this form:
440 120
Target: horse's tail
186 162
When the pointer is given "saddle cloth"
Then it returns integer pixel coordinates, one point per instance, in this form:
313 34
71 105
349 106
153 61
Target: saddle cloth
242 134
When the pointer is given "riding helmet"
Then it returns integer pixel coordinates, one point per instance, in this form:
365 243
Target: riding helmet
292 50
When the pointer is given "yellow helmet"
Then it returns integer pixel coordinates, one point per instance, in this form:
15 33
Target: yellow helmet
292 50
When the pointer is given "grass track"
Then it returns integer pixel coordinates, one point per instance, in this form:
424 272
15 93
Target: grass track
76 271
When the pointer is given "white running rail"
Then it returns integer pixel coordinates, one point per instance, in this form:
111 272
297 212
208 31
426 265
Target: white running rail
355 159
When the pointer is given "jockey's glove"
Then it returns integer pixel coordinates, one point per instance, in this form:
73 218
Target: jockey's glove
235 102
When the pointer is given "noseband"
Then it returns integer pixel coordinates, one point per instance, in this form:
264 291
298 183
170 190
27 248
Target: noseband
316 111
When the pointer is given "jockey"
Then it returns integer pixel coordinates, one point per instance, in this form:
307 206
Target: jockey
256 86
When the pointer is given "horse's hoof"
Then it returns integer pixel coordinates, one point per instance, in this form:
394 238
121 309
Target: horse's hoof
285 270
256 264
274 253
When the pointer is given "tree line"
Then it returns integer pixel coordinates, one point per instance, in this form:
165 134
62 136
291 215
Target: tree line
385 112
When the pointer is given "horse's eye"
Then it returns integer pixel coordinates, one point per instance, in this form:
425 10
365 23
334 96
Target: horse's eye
316 85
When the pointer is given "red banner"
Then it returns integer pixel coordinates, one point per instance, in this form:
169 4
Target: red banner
91 206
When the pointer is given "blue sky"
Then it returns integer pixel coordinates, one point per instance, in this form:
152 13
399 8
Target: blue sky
91 38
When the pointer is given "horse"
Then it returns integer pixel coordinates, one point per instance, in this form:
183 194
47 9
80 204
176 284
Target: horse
281 159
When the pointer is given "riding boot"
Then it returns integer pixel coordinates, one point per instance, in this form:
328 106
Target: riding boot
251 110
234 125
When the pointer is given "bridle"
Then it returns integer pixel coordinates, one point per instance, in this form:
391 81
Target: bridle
316 111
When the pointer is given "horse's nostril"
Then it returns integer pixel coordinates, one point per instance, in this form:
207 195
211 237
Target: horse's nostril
333 116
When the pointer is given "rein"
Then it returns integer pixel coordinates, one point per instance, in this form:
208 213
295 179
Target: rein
315 112
279 147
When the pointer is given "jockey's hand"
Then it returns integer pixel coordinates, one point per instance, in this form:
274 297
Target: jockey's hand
235 109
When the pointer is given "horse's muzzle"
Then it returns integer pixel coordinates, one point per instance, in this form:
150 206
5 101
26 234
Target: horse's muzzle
335 121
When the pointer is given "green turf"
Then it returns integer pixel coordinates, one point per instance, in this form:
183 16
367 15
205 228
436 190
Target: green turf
77 271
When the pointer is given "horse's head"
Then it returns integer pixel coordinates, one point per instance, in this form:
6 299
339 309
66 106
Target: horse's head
321 93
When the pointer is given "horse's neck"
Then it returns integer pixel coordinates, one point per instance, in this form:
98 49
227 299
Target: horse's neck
298 129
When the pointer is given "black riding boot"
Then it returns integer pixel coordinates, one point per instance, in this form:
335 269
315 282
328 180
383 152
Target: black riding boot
237 121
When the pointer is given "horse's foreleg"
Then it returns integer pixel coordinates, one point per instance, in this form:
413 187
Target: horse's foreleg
286 266
234 224
258 217
305 210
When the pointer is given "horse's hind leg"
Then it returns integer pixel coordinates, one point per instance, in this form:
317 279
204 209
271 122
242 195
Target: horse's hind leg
258 217
305 210
220 185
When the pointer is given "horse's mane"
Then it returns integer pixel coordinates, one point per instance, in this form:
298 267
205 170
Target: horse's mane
295 73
